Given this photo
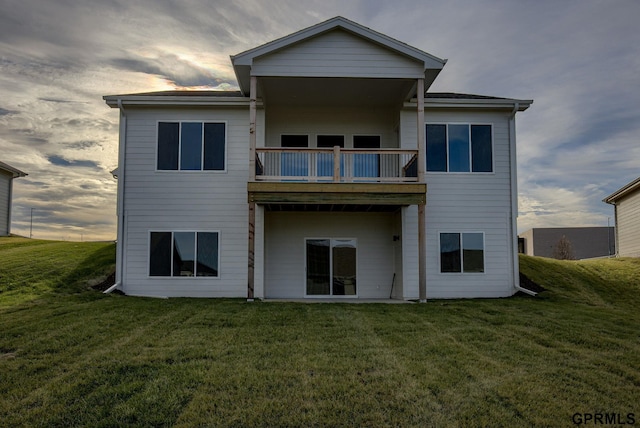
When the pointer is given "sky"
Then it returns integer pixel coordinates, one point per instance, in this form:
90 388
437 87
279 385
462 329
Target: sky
579 60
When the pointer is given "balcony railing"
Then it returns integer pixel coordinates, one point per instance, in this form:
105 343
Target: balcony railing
336 165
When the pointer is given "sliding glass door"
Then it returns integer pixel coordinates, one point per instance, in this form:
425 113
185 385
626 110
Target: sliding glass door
331 267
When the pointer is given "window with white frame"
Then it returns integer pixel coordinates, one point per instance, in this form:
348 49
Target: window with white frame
190 254
191 146
462 252
457 147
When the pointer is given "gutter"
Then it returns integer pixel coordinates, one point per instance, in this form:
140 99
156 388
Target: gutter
177 100
515 263
615 229
120 202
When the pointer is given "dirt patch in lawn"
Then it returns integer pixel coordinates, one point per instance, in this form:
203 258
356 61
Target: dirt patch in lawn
108 282
526 282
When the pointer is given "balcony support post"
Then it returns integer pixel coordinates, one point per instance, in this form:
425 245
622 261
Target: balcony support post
252 177
422 149
336 164
252 244
422 216
252 129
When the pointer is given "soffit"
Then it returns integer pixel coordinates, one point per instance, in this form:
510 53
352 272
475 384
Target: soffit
334 91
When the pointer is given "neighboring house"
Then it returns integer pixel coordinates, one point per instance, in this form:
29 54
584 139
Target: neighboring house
330 173
586 242
626 204
7 174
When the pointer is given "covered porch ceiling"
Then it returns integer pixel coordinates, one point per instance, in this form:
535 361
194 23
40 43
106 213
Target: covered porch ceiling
326 91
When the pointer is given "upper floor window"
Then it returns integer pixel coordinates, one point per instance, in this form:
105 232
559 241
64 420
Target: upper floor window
191 146
459 148
293 140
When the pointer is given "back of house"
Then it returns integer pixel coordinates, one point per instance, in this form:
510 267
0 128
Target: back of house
331 173
626 204
7 174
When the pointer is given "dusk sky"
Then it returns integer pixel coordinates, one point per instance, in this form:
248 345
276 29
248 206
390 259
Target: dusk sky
579 60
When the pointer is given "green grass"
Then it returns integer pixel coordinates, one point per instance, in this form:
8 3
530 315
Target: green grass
75 357
31 268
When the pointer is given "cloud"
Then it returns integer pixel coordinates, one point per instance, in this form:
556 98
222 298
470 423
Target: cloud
577 59
60 161
174 69
549 206
82 145
54 100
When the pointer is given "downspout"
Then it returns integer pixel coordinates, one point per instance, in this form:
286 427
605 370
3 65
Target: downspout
616 241
515 264
9 203
120 201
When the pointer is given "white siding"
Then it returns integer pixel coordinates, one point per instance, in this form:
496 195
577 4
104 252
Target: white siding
285 235
345 121
410 252
397 290
258 254
337 54
187 201
470 202
628 224
528 242
5 202
217 201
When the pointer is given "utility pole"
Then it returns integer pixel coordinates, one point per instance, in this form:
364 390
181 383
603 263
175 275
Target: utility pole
31 225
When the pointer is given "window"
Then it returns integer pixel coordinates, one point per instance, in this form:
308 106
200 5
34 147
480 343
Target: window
192 254
294 141
330 140
191 146
459 148
462 252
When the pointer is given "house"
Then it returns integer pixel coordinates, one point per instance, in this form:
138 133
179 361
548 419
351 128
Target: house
585 242
7 174
626 205
331 172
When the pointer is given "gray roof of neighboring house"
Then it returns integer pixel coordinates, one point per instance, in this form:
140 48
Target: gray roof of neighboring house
15 171
623 191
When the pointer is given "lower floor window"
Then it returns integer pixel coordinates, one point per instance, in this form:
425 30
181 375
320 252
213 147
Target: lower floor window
462 252
184 254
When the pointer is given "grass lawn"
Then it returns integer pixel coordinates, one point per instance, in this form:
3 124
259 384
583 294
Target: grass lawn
70 356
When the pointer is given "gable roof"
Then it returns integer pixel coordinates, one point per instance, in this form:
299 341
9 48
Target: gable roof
243 61
622 192
14 171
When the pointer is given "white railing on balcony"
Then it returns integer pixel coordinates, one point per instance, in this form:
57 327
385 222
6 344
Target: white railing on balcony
336 165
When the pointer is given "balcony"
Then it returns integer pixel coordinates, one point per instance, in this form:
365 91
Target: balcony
336 165
336 179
